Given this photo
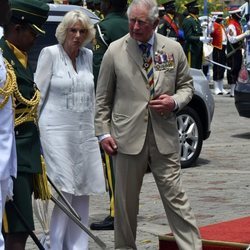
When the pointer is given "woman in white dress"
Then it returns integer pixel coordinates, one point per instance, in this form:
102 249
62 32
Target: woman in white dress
66 121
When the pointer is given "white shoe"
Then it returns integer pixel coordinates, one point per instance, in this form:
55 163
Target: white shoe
220 86
217 90
232 90
224 92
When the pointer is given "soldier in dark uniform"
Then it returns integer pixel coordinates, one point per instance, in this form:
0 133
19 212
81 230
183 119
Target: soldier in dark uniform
111 28
168 25
192 29
19 36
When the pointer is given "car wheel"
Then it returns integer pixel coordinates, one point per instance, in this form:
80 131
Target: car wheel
190 136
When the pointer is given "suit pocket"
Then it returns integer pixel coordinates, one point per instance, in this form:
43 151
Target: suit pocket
121 125
119 117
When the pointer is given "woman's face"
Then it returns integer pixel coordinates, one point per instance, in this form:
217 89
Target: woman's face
75 36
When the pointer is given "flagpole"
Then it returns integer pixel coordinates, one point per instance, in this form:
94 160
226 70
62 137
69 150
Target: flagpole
205 8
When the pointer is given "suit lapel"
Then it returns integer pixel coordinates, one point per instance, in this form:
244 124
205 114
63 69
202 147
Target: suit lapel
135 53
157 46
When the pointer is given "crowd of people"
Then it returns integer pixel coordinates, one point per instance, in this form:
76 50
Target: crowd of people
74 112
218 38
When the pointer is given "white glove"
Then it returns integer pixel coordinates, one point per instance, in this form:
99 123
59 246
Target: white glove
204 24
10 189
206 39
242 36
247 33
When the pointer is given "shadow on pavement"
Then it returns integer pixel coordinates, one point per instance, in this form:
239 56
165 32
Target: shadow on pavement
242 136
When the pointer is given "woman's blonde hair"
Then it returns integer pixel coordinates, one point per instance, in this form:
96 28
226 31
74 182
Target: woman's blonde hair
70 19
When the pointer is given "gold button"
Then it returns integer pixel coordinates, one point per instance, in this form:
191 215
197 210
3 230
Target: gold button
162 113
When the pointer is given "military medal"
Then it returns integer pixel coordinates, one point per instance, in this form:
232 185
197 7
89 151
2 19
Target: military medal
145 62
163 61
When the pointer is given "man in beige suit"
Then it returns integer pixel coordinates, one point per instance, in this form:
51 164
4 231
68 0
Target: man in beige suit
136 123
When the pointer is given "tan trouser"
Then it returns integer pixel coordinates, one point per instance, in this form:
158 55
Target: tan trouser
129 172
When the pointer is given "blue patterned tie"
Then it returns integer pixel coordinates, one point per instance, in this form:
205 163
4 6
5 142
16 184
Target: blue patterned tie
148 66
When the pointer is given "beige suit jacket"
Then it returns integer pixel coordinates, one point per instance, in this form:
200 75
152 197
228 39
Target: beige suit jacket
123 94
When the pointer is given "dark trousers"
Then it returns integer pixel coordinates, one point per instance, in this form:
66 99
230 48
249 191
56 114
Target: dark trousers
219 55
234 61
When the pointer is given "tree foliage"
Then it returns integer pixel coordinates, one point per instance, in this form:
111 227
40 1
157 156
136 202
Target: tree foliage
212 5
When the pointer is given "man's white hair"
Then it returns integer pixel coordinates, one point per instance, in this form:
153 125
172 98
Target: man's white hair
151 5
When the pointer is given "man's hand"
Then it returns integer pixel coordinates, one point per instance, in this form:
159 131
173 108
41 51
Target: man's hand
109 145
162 104
247 33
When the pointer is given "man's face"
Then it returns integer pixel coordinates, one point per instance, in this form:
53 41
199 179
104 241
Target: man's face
194 10
104 7
140 27
171 9
25 37
4 12
219 19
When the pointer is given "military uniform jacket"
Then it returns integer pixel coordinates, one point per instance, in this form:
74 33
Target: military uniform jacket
111 28
166 27
192 31
233 33
26 135
217 35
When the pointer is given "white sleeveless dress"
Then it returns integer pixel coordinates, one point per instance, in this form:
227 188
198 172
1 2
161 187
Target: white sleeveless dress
66 121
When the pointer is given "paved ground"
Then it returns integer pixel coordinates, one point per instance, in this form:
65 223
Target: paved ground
217 186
